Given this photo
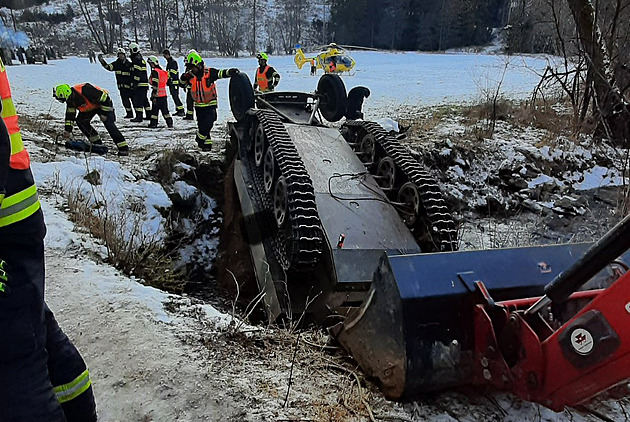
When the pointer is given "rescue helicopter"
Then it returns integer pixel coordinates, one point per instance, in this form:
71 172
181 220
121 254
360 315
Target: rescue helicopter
332 59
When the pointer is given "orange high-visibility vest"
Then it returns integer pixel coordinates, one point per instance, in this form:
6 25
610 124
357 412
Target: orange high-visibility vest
87 105
202 94
161 82
261 78
20 200
20 159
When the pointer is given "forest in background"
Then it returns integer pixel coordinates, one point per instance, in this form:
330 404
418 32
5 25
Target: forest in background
589 36
231 27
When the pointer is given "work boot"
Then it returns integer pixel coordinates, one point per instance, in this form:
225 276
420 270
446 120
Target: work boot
147 115
188 116
153 124
129 115
123 151
180 113
169 122
137 119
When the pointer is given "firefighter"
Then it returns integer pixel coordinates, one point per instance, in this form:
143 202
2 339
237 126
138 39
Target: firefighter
139 83
266 76
173 82
201 80
122 67
42 375
90 100
159 80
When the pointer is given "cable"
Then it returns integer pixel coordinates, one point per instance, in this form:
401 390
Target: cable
363 174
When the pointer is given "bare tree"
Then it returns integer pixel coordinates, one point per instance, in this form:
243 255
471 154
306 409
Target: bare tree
290 22
227 25
103 30
610 107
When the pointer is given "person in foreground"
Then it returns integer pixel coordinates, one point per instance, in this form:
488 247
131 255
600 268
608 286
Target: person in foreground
42 375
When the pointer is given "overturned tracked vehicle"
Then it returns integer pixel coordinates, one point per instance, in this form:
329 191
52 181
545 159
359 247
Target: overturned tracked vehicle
346 228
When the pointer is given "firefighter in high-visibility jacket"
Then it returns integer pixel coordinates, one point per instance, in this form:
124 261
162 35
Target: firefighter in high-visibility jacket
159 80
173 82
139 84
122 68
204 93
90 100
266 76
42 375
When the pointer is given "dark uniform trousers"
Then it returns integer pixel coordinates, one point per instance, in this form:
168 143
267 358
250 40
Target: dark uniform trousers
160 105
140 100
35 355
190 103
174 90
83 123
126 95
206 116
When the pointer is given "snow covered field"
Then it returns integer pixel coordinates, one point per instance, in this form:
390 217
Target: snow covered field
395 79
159 357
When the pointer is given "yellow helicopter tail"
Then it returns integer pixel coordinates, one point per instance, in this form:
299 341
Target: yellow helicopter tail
300 59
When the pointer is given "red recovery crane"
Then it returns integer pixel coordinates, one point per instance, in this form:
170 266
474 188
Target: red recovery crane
518 347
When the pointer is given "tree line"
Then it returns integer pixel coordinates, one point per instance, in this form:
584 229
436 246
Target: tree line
416 24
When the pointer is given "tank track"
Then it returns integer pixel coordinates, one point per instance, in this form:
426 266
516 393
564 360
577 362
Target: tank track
299 243
439 222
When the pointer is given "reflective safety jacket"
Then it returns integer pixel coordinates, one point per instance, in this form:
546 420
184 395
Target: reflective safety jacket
266 78
19 199
204 90
159 78
139 72
85 98
122 68
173 71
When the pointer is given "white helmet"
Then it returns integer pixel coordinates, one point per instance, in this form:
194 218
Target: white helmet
153 60
134 48
121 50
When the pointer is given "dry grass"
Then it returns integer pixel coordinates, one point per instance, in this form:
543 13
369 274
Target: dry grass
132 252
167 161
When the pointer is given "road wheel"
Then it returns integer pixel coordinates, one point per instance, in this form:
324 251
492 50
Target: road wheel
269 170
334 98
409 196
386 173
241 95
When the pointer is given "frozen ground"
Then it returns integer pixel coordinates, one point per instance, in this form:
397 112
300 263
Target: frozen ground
395 79
159 357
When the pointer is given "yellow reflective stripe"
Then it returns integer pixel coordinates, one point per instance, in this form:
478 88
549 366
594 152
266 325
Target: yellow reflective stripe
73 389
8 108
122 144
106 108
71 110
211 103
103 97
19 197
20 215
19 206
16 143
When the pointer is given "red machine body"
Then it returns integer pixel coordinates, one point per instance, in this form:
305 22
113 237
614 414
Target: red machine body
585 356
